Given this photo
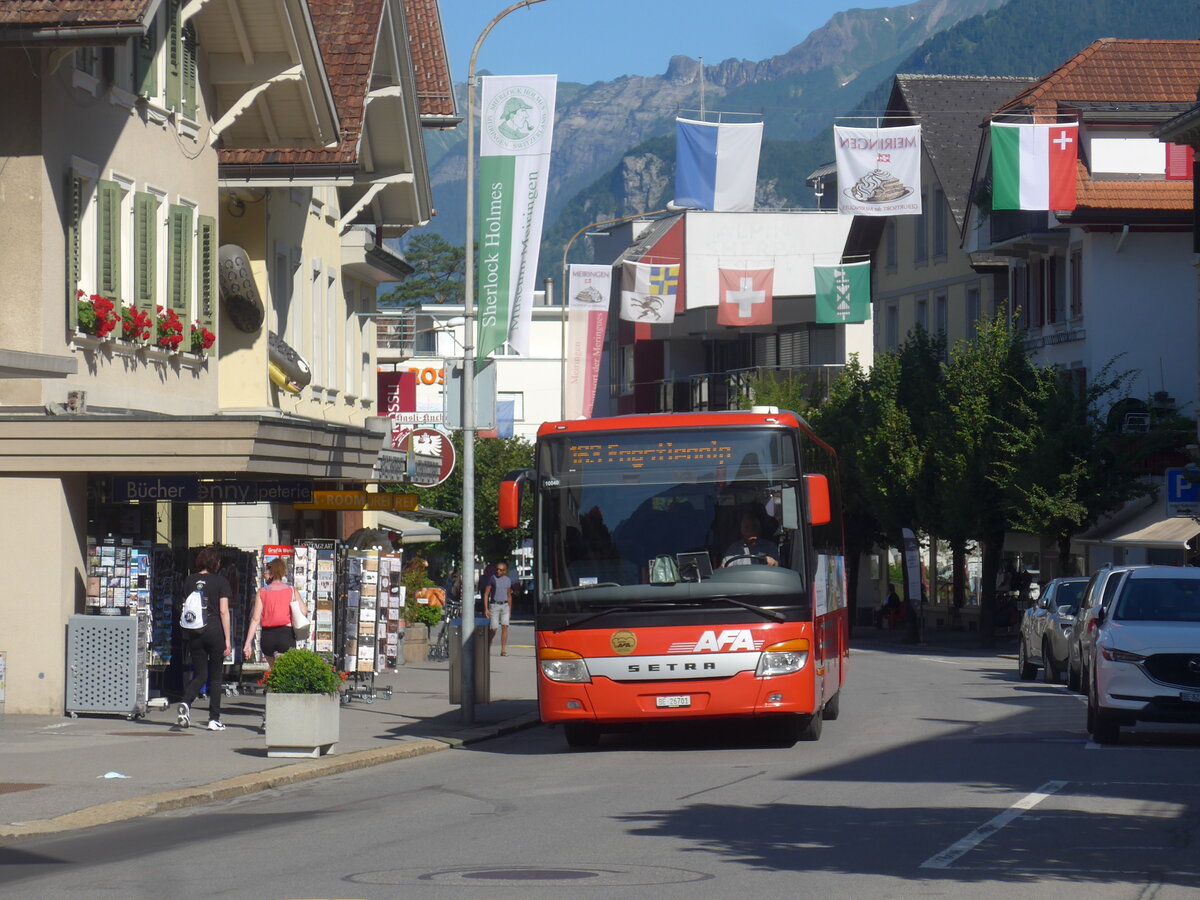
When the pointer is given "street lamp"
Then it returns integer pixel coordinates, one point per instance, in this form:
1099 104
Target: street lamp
467 632
566 298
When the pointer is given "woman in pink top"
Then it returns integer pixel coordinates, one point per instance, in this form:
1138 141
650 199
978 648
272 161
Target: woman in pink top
273 609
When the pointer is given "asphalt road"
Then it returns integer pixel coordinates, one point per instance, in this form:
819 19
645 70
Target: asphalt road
945 776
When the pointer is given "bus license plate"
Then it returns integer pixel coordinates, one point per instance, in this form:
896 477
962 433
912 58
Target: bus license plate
672 702
1190 696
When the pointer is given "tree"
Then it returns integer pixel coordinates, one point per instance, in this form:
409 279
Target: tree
440 270
494 458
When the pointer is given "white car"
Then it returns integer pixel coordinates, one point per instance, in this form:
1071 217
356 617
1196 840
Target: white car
1145 664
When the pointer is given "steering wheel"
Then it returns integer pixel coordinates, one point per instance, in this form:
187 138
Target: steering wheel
754 560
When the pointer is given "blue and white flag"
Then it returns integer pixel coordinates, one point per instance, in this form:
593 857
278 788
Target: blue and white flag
716 164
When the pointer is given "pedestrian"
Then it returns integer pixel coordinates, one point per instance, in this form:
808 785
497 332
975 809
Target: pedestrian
210 644
273 610
497 606
893 609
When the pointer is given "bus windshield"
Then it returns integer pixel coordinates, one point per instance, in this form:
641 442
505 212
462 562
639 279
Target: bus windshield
712 512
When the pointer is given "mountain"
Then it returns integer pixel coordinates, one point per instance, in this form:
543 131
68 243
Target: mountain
796 93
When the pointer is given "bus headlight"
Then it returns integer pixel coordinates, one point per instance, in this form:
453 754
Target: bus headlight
783 658
563 665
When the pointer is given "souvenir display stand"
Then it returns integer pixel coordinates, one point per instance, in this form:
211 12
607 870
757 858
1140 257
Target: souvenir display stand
368 580
316 579
389 626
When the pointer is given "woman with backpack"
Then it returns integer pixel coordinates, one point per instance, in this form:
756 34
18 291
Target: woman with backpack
205 620
273 609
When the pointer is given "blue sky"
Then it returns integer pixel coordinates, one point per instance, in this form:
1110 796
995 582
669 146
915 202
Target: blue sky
599 40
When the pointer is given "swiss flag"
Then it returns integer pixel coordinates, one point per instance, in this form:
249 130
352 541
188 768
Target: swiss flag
745 297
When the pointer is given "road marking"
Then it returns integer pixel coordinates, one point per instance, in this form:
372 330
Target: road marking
936 659
986 830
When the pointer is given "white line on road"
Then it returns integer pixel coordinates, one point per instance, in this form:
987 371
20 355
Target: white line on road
986 830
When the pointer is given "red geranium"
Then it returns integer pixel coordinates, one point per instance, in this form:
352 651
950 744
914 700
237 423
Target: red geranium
170 329
136 324
202 338
96 315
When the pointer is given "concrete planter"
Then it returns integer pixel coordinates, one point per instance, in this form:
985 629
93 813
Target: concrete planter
415 647
302 725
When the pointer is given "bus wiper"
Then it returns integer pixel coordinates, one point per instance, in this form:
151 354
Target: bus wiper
761 610
612 609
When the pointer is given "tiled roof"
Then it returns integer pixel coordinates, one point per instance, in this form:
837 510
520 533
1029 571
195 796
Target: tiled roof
1118 71
1145 196
427 44
949 109
50 14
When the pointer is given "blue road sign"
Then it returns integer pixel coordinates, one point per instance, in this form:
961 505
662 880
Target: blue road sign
1183 491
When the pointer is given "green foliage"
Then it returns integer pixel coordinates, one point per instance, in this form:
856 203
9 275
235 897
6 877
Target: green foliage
424 613
439 277
301 671
415 577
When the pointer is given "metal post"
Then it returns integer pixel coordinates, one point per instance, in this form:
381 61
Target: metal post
467 633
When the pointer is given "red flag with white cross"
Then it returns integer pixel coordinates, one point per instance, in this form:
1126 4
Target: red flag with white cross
746 297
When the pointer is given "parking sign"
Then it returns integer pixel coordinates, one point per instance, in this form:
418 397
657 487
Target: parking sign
1183 491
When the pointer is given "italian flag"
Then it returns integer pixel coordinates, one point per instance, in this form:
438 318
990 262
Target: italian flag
1033 166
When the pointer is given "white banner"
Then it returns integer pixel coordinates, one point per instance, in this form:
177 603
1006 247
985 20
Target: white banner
589 290
879 170
516 131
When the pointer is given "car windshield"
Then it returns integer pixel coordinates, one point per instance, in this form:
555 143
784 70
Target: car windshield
1069 593
1159 600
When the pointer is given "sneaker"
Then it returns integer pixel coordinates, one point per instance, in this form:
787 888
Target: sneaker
184 719
215 725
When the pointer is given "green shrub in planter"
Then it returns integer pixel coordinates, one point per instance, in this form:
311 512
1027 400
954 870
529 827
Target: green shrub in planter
302 672
425 613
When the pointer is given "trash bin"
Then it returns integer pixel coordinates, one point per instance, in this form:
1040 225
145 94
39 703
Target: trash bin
483 671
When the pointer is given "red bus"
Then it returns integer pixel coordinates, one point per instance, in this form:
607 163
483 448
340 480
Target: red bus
687 566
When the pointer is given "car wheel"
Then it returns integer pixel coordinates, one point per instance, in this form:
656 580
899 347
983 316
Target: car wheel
1025 669
1072 676
1104 726
833 707
581 734
1050 672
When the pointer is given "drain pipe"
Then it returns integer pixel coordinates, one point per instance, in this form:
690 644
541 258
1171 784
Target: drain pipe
1124 234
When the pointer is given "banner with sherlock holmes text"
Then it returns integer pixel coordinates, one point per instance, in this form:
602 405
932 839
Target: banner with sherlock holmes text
516 128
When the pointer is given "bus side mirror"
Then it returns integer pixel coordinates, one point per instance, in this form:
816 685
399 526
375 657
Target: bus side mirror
819 507
510 498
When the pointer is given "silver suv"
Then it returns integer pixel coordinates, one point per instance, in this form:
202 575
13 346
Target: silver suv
1100 591
1045 627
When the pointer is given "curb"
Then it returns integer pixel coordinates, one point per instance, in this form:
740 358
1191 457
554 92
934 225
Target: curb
254 782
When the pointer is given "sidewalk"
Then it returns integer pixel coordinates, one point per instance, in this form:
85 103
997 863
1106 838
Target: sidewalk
54 767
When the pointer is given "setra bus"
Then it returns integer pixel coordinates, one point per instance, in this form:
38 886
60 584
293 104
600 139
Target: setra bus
688 566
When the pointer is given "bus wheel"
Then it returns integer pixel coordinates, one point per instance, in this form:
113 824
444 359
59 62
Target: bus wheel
581 734
784 731
833 707
810 727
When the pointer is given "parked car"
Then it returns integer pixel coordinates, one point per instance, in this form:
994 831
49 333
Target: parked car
1100 590
1044 629
1146 660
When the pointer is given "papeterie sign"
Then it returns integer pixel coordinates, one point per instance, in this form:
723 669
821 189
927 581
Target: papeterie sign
192 490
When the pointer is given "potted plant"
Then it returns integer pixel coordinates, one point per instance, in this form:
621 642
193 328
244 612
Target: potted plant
202 339
96 315
170 329
302 705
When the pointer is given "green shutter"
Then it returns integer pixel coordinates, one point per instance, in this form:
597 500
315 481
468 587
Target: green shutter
180 263
145 254
188 50
108 239
174 57
74 214
145 72
206 251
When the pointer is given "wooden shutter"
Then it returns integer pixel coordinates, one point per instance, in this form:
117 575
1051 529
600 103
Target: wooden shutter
74 215
206 243
1179 162
179 266
145 254
145 72
108 239
188 50
174 57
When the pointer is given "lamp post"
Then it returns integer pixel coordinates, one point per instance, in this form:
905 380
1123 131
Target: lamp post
566 293
467 632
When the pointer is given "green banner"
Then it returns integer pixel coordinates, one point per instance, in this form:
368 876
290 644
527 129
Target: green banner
496 201
843 293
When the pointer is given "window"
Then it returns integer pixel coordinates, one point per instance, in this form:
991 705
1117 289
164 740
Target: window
973 311
181 239
921 232
1019 291
892 327
331 329
146 219
889 244
1056 295
921 316
517 399
1037 294
1076 284
937 200
1179 162
108 239
941 313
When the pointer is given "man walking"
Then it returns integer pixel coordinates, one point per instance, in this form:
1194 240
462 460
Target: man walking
497 606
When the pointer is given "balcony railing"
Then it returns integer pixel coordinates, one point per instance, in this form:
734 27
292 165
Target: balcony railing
396 334
716 391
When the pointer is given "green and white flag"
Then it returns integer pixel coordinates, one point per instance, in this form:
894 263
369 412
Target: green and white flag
843 293
516 128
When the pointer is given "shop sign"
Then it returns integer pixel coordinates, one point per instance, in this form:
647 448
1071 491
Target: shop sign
360 500
392 466
186 489
431 457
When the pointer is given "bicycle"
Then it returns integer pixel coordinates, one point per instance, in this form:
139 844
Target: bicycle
440 649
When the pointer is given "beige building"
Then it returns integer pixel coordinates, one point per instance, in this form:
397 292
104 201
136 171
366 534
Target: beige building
116 113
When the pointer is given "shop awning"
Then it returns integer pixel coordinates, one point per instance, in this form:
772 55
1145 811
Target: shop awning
410 530
1149 528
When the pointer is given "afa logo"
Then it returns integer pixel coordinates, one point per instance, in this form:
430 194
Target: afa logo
731 640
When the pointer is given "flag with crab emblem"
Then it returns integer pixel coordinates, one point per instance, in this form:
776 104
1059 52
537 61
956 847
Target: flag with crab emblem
648 293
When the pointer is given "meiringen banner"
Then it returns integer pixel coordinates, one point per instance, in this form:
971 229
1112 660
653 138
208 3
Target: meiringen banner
588 295
516 128
878 170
